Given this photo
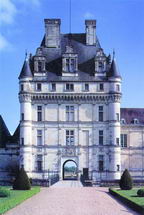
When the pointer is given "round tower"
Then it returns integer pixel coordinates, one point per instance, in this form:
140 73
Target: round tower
25 118
114 123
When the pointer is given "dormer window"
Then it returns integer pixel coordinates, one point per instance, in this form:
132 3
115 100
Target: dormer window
69 62
70 65
39 63
100 65
39 66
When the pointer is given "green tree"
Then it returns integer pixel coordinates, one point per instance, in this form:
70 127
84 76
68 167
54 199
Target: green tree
126 182
22 181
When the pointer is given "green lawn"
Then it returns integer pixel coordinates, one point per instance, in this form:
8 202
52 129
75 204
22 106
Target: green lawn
130 195
16 197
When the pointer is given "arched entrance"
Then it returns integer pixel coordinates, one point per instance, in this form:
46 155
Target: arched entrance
70 170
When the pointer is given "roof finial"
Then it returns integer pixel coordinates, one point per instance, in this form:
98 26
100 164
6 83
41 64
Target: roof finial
26 54
69 16
113 54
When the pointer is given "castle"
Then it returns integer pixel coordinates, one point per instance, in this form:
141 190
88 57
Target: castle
70 96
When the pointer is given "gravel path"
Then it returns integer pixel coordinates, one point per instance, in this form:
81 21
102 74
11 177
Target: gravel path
70 198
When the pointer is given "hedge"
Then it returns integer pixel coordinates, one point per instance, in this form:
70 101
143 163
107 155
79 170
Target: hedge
128 202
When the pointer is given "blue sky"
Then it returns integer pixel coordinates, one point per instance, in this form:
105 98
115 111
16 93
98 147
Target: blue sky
120 25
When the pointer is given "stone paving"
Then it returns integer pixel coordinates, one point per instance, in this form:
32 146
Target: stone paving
70 198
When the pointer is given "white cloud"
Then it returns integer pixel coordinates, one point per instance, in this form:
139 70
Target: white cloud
88 15
7 12
4 44
9 8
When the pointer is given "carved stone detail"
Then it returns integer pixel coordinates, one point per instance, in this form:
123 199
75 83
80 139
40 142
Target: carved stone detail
69 151
24 98
77 97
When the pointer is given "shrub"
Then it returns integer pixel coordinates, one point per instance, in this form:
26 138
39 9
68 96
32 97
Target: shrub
140 192
22 181
125 182
4 192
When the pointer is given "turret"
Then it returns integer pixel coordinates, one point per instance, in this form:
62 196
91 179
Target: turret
25 116
26 71
114 121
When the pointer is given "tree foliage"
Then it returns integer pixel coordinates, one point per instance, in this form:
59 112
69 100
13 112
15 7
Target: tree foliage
126 182
22 181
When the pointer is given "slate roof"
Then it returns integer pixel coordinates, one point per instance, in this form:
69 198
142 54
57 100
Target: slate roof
5 136
4 133
15 137
129 114
26 71
86 60
86 57
113 72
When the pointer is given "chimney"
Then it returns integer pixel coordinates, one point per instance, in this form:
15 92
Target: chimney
90 32
52 33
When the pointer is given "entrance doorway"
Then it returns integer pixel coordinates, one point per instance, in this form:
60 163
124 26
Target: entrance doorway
70 170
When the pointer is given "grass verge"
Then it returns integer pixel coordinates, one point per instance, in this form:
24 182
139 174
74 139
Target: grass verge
130 198
15 198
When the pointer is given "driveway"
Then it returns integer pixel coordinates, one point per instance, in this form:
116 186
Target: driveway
70 198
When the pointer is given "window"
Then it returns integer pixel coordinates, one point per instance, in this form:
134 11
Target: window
123 140
69 87
135 121
39 113
101 162
53 87
101 113
22 141
69 113
39 137
39 87
117 141
67 65
101 87
22 117
22 87
39 162
86 87
117 117
118 167
123 121
69 137
100 65
70 64
117 87
100 137
39 66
